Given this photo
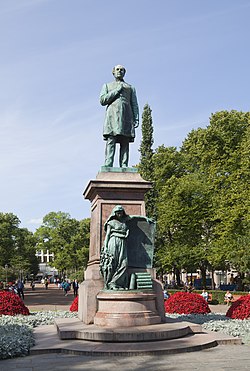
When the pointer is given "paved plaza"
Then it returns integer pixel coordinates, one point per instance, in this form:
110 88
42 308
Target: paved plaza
223 357
51 299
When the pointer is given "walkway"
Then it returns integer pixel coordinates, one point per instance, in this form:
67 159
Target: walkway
51 299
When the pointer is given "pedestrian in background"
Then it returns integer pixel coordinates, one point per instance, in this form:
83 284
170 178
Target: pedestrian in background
66 287
20 287
75 287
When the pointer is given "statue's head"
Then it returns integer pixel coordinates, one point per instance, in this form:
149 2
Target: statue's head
118 213
119 72
118 209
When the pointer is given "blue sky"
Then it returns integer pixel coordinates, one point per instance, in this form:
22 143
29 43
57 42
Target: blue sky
186 58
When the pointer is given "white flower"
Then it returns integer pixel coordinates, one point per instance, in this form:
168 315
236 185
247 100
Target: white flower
219 322
16 331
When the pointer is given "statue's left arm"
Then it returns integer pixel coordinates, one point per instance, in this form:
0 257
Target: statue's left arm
141 217
135 108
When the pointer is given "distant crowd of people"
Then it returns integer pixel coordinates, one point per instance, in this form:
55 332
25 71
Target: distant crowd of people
65 284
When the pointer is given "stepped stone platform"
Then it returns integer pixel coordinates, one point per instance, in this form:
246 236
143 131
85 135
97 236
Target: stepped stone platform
72 328
73 337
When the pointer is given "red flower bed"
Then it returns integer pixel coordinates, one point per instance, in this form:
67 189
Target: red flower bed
240 309
11 304
74 305
186 303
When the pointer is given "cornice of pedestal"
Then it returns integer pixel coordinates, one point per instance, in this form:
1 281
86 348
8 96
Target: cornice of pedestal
116 181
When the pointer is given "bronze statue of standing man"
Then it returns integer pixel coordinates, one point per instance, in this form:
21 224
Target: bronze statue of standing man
122 116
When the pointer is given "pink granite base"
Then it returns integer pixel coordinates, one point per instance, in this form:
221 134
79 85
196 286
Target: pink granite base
88 290
111 188
126 309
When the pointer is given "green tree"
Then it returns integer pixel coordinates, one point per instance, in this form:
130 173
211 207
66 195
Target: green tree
146 163
9 224
17 247
221 153
24 260
203 196
67 238
146 151
185 222
167 165
46 232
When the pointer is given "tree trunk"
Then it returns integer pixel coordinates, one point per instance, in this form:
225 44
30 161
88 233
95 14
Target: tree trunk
203 276
177 276
213 283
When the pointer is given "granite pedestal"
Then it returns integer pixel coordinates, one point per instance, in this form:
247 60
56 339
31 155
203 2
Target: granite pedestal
111 187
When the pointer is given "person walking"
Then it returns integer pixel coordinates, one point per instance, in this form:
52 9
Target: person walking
46 283
20 287
66 287
32 285
75 287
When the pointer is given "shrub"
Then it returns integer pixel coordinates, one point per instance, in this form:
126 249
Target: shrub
240 309
218 295
16 331
74 305
11 304
186 303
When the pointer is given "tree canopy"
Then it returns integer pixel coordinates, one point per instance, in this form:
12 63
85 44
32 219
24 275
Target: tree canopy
203 197
67 238
17 246
146 159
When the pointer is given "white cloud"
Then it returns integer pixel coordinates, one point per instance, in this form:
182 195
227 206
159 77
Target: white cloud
37 221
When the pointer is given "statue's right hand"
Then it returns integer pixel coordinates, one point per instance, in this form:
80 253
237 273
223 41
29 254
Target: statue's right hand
119 89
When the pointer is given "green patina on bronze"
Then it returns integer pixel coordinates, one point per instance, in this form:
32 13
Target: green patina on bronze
140 243
106 169
122 116
143 281
129 242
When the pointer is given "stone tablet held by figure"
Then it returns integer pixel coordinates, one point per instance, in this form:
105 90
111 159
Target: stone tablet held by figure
122 116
